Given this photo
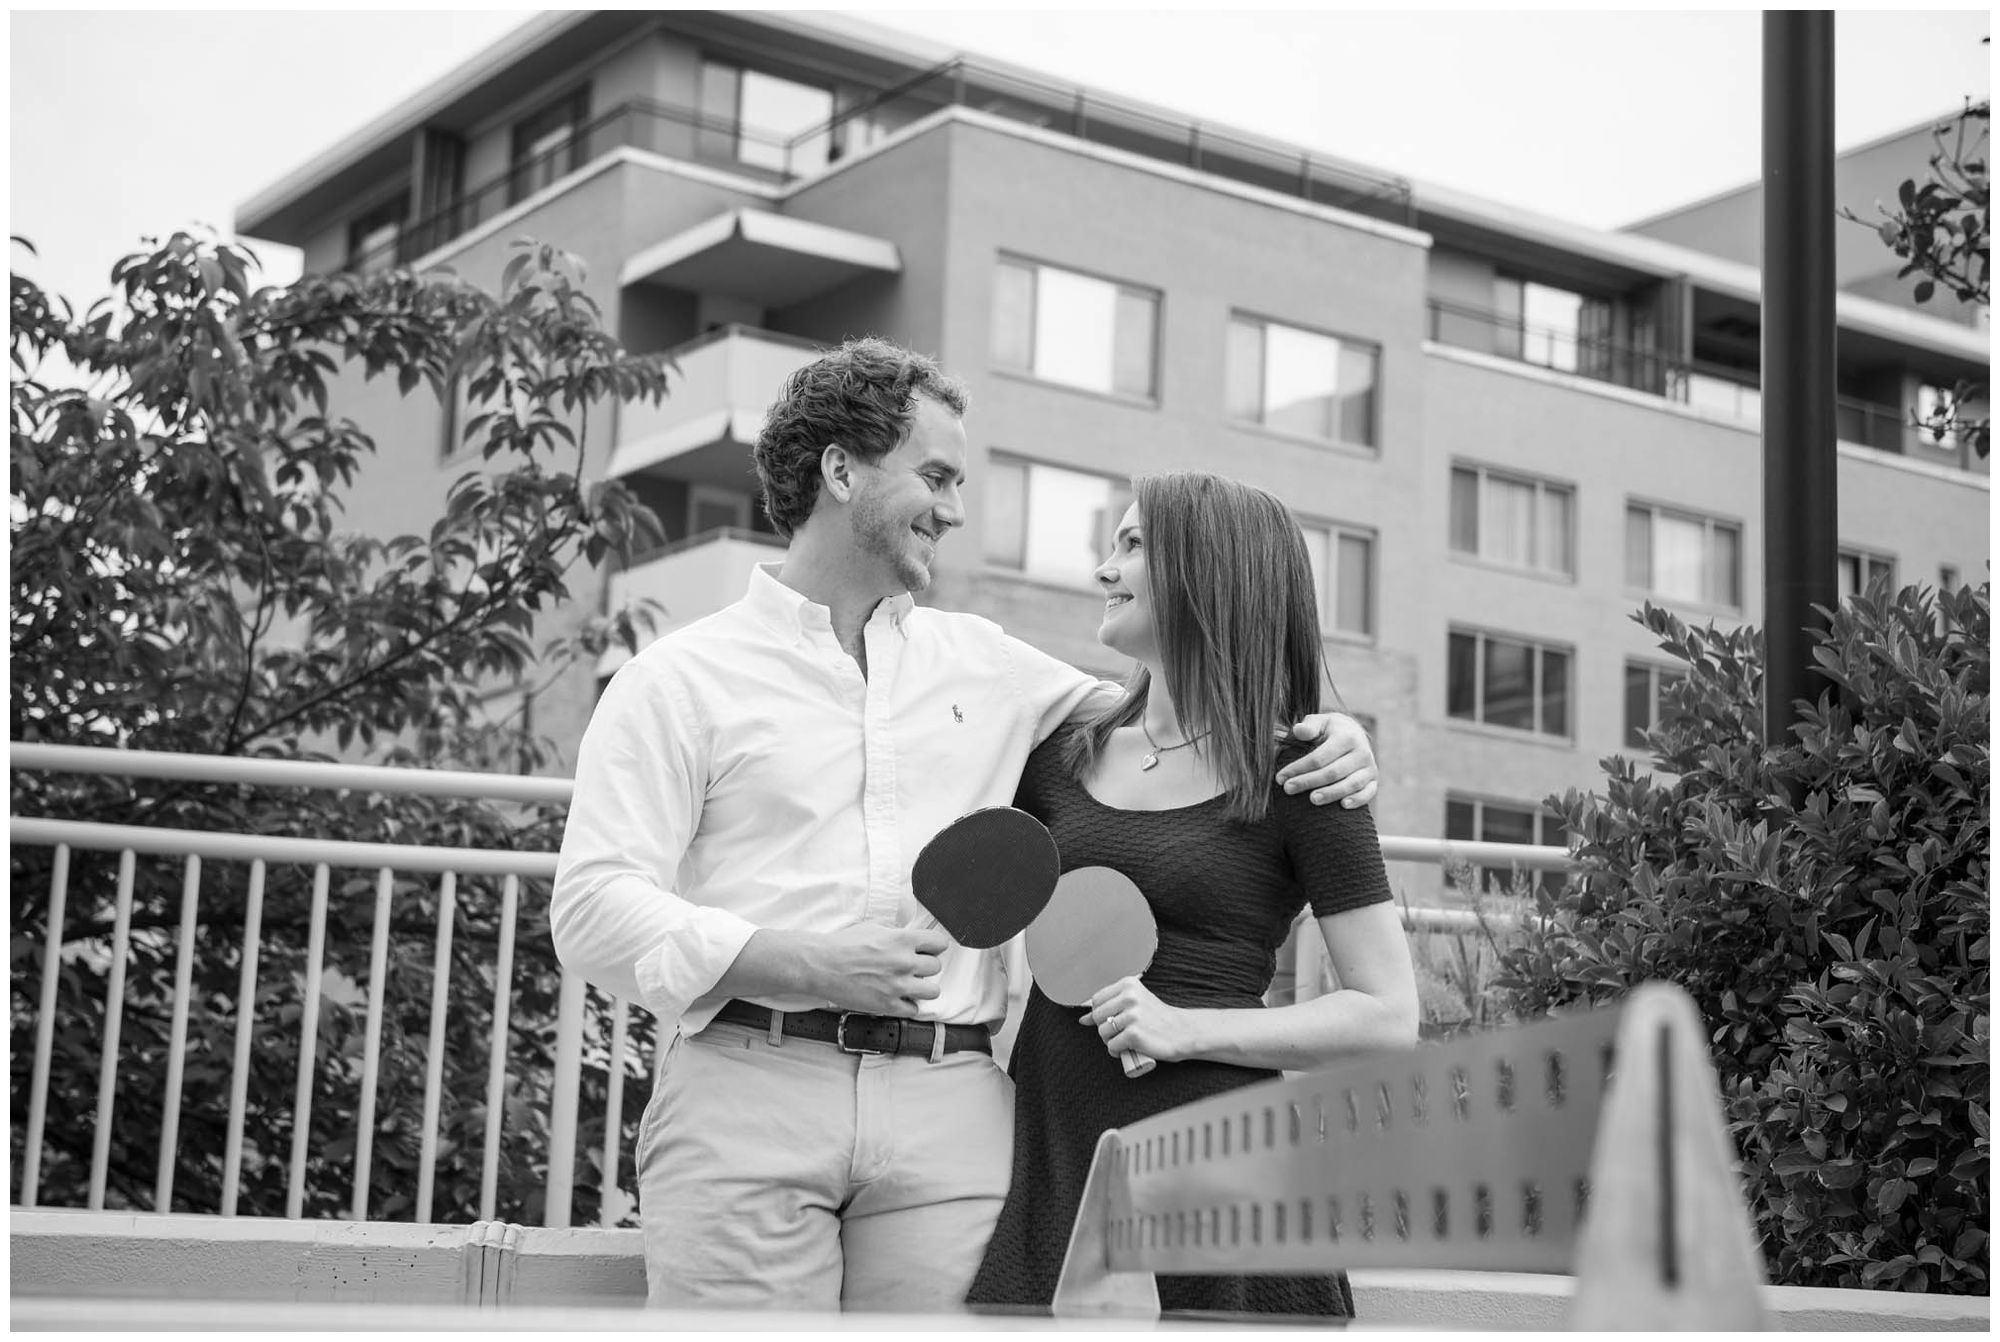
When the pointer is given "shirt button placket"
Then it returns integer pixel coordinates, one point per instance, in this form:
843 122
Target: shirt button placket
882 824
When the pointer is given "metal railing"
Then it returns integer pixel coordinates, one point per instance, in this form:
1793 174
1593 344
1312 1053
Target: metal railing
1730 391
588 1028
686 132
678 132
1069 109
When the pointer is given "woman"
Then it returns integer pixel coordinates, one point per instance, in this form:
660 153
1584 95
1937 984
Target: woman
1208 589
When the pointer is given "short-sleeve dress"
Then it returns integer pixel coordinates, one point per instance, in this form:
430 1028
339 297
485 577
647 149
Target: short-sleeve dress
1224 895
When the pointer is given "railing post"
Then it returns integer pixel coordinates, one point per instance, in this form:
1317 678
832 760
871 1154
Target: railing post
114 1018
563 1101
45 1028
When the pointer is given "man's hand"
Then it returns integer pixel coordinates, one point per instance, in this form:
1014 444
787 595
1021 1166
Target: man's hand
884 971
1341 768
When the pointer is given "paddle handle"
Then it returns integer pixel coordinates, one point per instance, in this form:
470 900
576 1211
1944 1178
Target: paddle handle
1136 1064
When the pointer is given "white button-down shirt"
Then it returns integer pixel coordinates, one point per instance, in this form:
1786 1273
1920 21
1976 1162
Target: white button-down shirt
742 773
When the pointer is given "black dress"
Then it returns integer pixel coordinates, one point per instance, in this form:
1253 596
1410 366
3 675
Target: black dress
1224 895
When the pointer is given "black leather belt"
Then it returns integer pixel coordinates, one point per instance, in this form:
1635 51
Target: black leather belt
852 1032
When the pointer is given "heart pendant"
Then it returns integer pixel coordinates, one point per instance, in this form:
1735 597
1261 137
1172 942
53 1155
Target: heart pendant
1148 762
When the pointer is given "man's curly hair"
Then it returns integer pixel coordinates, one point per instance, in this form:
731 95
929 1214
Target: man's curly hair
861 396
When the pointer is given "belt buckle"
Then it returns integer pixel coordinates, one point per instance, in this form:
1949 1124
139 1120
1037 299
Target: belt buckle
840 1037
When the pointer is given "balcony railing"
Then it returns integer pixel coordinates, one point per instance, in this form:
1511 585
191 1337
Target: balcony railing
1068 109
680 131
1728 391
323 889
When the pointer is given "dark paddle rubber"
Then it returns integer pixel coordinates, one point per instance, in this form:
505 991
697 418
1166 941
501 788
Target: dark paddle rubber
1096 929
986 875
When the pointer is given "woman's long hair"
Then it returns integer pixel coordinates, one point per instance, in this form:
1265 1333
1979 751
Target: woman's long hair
1237 621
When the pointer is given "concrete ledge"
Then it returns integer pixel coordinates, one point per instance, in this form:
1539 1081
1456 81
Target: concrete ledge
1521 1300
129 1255
70 1265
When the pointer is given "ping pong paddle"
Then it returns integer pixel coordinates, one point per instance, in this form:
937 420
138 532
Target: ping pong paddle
986 875
1096 929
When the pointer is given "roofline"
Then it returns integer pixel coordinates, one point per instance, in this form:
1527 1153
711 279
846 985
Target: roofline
864 37
406 116
1635 251
1668 260
1714 197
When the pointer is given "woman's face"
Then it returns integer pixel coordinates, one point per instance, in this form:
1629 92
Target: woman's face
1128 598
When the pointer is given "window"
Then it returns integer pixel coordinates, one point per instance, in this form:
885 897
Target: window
1644 686
1508 682
372 237
1858 570
546 145
1343 569
1049 522
1474 820
1512 520
764 120
1073 329
1683 556
1551 321
1303 382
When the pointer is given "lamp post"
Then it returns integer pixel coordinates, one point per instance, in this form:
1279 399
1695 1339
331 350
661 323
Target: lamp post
1800 485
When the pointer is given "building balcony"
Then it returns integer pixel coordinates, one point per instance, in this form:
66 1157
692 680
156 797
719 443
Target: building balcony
755 256
1730 393
718 387
690 580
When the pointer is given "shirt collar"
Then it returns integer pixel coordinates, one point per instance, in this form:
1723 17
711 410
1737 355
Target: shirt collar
792 611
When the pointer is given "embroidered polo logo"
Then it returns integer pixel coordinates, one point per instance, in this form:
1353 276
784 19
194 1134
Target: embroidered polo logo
956 716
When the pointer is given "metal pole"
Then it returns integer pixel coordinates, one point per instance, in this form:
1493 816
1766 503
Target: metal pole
1800 529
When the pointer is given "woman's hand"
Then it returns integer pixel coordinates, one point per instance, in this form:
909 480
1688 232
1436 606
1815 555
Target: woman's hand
1129 1019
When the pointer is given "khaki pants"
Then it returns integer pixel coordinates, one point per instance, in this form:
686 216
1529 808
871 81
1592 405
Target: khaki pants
795 1176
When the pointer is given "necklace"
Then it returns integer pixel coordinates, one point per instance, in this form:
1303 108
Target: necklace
1158 750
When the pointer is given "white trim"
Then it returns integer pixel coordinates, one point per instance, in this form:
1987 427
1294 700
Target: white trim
764 228
742 426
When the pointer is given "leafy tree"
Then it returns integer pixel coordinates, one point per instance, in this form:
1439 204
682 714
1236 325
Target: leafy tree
183 580
1825 901
1941 228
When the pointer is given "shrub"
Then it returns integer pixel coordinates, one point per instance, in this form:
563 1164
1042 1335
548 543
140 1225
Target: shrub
184 580
1824 900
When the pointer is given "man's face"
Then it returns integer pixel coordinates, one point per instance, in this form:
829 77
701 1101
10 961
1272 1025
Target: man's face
904 503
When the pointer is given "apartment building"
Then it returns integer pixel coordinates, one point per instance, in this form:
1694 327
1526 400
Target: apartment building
1502 432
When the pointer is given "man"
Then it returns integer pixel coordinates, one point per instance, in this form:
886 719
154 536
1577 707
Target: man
750 795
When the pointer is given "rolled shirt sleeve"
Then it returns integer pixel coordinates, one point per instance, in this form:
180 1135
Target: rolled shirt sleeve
614 914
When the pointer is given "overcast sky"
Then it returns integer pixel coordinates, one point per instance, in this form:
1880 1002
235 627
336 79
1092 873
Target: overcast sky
134 123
